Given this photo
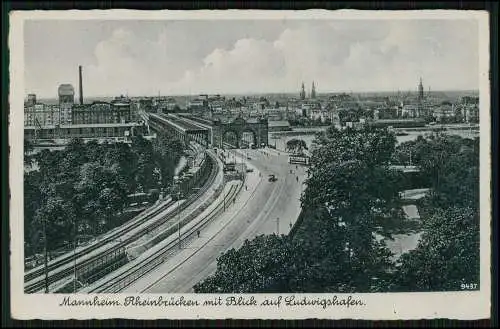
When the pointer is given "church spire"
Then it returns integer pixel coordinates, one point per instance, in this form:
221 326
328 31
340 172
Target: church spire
313 91
420 90
303 92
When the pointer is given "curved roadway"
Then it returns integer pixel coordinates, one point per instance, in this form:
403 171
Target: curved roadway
262 208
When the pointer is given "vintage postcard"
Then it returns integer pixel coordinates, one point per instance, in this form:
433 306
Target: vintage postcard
249 164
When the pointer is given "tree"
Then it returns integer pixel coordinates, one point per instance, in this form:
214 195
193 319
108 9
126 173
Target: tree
28 149
32 201
100 193
167 154
447 254
57 216
296 146
260 265
448 164
92 180
350 179
121 154
349 193
145 167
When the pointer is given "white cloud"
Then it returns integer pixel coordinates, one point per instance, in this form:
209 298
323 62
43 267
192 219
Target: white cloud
338 55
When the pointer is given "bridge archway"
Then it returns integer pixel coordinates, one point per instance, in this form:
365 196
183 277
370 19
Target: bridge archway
248 137
247 131
231 137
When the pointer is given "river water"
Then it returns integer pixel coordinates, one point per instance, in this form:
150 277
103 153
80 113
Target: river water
280 139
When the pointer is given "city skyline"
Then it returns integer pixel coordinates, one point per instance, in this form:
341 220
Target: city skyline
147 58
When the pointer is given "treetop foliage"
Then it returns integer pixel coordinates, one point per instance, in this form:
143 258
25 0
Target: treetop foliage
352 195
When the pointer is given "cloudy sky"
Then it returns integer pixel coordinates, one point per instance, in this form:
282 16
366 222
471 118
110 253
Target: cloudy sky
240 56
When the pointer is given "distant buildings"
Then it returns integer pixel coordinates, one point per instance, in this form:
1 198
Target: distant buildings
197 104
102 131
41 115
444 112
410 111
118 111
118 119
420 91
66 113
166 105
31 100
303 92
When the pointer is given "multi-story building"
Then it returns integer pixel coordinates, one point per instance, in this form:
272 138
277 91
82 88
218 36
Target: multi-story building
102 112
310 109
65 116
41 115
31 100
472 113
29 115
410 111
166 105
444 111
121 111
101 131
197 104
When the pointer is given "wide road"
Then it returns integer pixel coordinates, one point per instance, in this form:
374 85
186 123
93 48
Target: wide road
262 207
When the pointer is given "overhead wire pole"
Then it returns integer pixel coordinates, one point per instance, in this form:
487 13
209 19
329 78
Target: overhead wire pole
75 239
179 230
178 218
46 260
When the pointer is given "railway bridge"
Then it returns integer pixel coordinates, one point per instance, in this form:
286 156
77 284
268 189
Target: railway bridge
237 132
180 128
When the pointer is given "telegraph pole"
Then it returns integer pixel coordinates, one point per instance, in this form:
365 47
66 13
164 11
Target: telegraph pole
46 259
178 218
179 230
75 239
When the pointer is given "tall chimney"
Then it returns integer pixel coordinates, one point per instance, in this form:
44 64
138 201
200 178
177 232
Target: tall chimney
80 84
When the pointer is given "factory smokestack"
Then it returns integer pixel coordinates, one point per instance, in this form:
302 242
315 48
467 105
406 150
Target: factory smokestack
80 84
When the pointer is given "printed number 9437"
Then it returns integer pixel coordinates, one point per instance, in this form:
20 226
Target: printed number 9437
468 286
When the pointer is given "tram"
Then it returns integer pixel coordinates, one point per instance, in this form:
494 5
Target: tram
298 159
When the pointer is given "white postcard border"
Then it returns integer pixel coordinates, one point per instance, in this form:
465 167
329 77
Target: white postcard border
384 306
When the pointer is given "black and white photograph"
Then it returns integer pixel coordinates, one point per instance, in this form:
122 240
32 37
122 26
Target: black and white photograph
242 163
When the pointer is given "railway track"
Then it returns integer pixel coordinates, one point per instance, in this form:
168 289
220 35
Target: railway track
35 279
143 217
119 281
